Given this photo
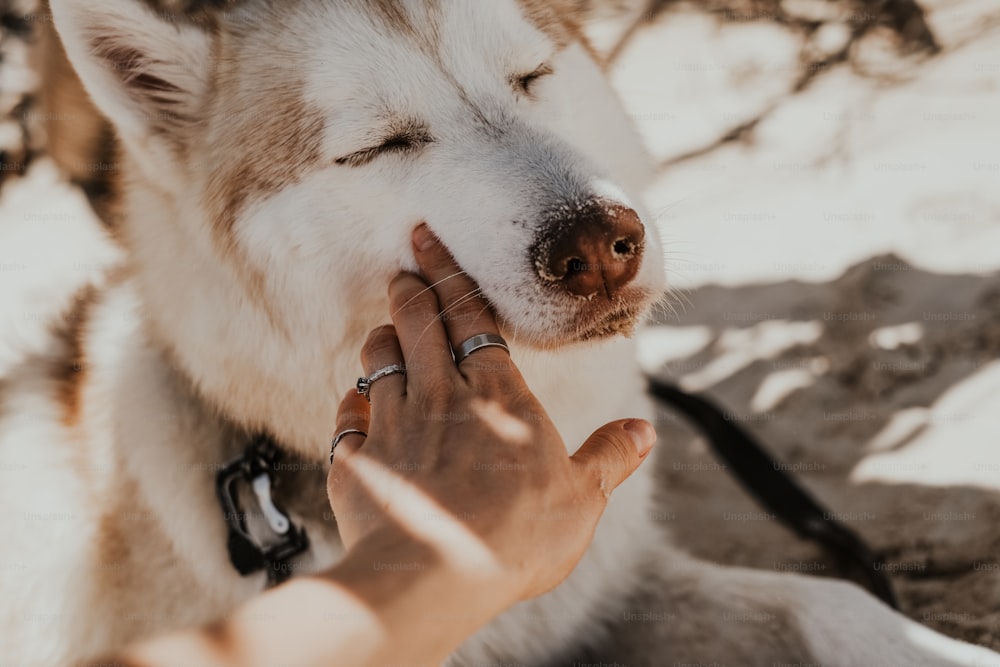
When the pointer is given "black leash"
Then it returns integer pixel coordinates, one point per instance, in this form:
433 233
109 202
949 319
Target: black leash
775 489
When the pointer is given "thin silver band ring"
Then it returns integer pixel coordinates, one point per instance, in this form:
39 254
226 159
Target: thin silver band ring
343 434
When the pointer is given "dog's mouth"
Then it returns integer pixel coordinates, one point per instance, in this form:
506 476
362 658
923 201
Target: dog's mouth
618 322
571 320
582 327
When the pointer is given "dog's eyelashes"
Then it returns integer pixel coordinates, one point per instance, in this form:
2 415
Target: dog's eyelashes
397 143
367 155
524 83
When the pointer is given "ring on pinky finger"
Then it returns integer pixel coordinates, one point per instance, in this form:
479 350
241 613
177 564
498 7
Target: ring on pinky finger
340 436
352 424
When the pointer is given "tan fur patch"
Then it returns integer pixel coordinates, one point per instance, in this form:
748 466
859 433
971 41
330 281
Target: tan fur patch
393 15
131 544
70 371
555 18
269 150
276 146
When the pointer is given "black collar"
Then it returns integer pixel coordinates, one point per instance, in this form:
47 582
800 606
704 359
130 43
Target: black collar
249 555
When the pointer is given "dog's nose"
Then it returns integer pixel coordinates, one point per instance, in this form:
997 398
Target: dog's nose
596 251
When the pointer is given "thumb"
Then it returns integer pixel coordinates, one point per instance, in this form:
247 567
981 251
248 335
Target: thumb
614 451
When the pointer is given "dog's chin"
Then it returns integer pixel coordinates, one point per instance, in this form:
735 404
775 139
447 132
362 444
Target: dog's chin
591 326
617 323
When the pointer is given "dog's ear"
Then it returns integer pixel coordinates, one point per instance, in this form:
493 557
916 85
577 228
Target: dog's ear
148 72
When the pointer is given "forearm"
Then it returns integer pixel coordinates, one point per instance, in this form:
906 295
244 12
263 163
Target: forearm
375 608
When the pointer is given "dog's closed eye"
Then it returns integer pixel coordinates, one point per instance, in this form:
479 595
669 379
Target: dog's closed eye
524 83
403 141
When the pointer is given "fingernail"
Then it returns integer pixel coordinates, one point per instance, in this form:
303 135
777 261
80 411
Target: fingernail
642 433
423 238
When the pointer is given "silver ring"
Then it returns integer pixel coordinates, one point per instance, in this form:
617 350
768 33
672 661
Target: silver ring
340 436
365 384
477 343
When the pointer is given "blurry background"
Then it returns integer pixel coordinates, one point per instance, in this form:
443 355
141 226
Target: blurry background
829 190
828 186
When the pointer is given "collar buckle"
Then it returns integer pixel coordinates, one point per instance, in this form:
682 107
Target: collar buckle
247 554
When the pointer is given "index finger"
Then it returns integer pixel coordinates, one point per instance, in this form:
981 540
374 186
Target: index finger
464 312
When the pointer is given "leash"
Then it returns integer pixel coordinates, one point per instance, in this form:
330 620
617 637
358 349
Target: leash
760 474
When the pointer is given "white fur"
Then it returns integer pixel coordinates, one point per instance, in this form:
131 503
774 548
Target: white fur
326 245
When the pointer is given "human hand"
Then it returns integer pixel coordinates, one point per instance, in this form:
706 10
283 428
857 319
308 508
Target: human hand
463 459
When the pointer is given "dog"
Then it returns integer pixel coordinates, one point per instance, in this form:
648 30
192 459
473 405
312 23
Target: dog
272 161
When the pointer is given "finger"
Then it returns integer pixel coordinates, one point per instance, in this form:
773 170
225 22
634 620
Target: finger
463 311
380 351
414 308
614 451
354 414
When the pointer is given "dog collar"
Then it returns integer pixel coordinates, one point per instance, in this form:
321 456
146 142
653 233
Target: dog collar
250 554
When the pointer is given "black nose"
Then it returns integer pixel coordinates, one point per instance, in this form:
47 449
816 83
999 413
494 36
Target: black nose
595 250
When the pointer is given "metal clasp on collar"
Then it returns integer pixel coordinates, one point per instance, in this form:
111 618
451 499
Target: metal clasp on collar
247 554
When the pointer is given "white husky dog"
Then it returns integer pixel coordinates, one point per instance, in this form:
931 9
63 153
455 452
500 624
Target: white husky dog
274 160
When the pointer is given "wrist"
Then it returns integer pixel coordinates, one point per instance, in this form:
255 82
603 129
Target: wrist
425 600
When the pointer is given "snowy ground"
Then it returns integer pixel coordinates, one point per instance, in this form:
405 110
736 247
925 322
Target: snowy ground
837 290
